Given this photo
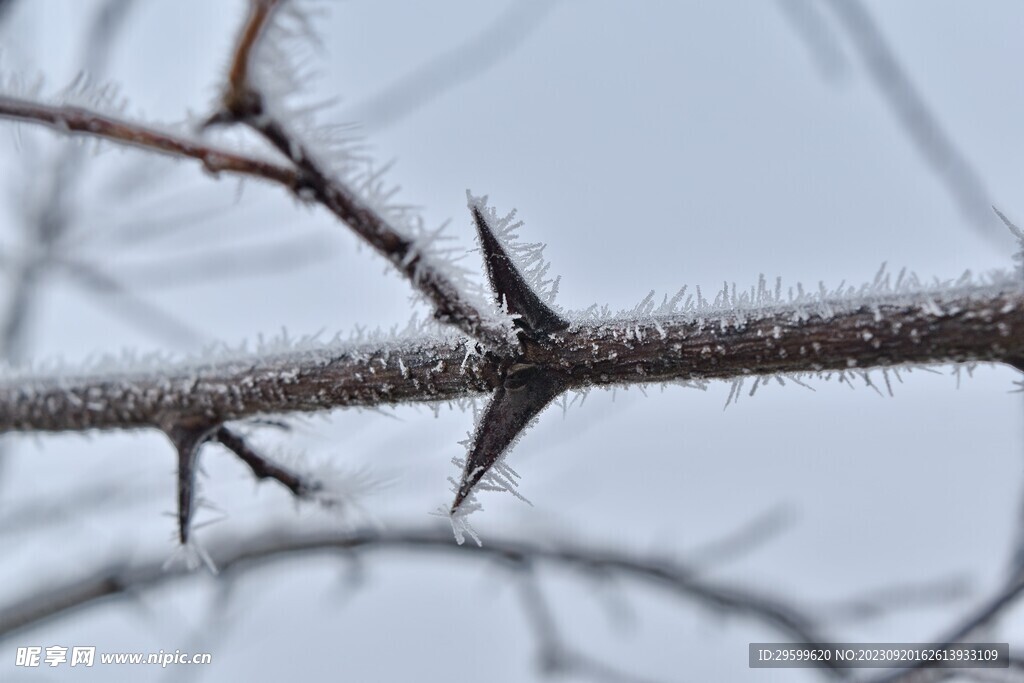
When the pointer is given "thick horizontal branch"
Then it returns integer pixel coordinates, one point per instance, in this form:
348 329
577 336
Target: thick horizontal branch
966 324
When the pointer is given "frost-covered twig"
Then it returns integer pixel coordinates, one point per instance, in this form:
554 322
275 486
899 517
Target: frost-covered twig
189 435
262 468
71 119
245 103
48 217
308 182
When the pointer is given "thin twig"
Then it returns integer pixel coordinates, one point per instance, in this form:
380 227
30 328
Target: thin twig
91 123
262 468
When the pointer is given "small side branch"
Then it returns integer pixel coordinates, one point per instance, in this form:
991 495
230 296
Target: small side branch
90 123
262 468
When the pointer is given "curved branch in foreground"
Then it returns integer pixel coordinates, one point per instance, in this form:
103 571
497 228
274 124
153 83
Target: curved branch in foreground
231 554
845 335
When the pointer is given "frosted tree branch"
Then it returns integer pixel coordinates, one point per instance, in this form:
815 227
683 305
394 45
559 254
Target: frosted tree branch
524 369
967 324
244 103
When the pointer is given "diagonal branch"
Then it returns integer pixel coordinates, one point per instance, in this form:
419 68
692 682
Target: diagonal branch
454 67
307 181
243 103
127 303
262 468
996 605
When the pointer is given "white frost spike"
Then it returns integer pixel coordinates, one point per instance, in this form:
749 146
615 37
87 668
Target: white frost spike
459 519
734 392
191 555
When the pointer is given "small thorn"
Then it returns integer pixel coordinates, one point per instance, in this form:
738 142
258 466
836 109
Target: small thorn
187 439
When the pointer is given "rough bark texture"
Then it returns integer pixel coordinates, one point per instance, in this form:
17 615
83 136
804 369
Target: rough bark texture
970 324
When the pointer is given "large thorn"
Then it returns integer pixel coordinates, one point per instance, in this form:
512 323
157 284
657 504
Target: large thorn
187 439
525 393
535 317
